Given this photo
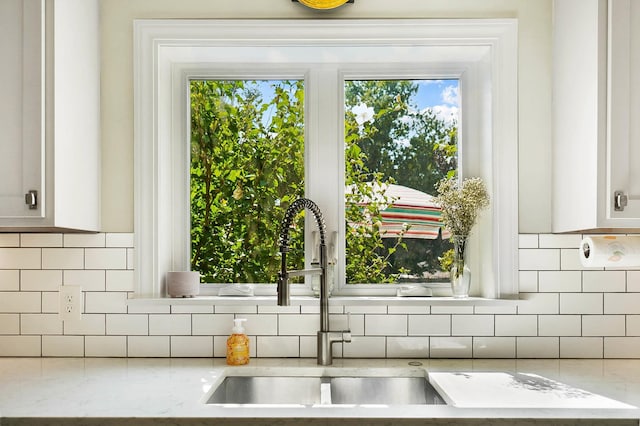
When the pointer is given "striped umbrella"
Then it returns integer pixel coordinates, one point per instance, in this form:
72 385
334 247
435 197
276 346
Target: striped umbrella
412 213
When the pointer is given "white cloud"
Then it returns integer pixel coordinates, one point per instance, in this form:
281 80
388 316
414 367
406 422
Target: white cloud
447 113
450 95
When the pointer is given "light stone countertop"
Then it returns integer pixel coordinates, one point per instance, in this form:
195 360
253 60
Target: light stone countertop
118 391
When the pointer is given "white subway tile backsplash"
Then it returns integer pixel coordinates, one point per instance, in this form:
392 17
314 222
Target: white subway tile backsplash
258 325
214 324
622 303
538 303
407 347
581 303
63 346
88 280
148 346
529 241
107 302
127 324
299 325
494 347
62 258
120 281
50 302
622 347
40 324
537 347
170 325
408 310
20 258
450 347
20 346
309 345
429 325
149 309
528 281
516 325
539 259
472 325
385 325
277 346
105 258
9 324
571 241
89 324
191 346
191 309
603 325
570 260
105 346
235 309
84 240
23 302
581 347
510 309
633 281
275 309
365 347
365 309
124 239
559 325
9 280
604 281
443 309
564 311
41 240
9 240
560 281
40 280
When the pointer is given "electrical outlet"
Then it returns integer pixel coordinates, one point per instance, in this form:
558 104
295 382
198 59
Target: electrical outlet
70 300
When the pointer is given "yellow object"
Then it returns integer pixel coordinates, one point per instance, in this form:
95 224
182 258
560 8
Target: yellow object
323 4
238 345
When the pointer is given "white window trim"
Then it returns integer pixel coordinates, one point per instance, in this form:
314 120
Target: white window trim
168 52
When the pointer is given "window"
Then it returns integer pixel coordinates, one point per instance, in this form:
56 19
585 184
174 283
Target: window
399 143
328 56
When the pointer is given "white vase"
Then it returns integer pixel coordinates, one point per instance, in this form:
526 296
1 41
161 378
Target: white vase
460 271
183 284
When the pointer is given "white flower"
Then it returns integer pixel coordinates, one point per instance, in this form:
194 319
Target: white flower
363 113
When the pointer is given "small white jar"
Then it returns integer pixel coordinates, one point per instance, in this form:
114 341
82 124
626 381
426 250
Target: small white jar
183 284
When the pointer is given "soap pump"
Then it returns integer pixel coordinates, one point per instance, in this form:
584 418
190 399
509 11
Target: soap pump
238 344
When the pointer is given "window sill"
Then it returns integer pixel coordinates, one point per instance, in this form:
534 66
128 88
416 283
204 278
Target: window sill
140 301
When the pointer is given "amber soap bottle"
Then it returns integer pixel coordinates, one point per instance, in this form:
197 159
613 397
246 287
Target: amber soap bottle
238 344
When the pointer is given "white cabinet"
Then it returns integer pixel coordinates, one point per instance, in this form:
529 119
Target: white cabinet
596 115
49 115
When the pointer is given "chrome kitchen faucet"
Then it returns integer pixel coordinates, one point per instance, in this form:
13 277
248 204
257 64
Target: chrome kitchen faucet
325 337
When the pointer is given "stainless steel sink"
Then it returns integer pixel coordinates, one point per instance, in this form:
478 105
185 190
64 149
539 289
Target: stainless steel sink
324 390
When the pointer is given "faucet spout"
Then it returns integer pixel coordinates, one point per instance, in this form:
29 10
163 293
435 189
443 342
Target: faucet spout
325 337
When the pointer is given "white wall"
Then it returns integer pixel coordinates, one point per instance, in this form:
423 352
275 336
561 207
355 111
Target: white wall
534 18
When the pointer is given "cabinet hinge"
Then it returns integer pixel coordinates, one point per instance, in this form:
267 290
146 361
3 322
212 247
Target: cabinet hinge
619 201
31 199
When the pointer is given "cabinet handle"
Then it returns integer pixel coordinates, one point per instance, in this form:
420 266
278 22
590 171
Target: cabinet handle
31 199
619 201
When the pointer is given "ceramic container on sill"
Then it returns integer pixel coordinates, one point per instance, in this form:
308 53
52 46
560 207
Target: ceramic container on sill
183 284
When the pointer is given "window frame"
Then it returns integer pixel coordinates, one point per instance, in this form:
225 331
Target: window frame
482 54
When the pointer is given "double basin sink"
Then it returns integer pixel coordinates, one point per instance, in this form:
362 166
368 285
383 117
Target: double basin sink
323 390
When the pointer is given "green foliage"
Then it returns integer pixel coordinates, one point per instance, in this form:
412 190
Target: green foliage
247 166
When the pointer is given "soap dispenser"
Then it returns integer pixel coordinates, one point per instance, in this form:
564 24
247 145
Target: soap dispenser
238 344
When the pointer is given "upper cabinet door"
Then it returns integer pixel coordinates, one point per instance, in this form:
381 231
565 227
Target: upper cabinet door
21 108
596 115
623 102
